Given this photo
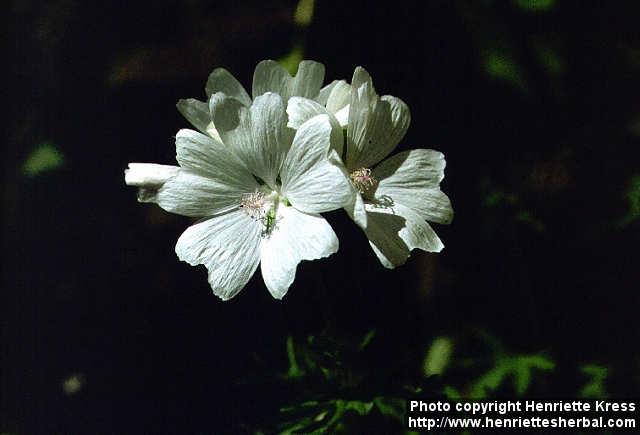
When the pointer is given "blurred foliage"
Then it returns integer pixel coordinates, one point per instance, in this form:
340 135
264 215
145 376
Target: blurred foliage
632 195
501 65
290 61
504 372
438 356
303 15
336 388
550 58
595 387
510 204
44 158
519 368
337 392
534 5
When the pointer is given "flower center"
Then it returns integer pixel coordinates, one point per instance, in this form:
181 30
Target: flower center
363 180
262 206
253 204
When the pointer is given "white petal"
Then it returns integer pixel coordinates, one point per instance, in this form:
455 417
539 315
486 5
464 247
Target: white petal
228 246
339 97
310 180
213 132
412 178
324 93
149 177
194 195
301 109
342 116
357 211
395 230
258 135
270 76
209 157
221 80
196 112
271 136
148 174
296 237
308 80
375 124
398 124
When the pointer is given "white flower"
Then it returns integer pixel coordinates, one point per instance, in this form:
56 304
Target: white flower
395 197
268 76
259 190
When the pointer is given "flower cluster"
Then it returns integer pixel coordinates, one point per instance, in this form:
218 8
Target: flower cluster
262 169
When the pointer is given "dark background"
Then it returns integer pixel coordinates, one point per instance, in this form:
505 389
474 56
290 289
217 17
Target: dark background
535 105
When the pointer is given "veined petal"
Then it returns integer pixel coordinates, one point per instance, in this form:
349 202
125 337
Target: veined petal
221 80
194 195
258 135
398 124
209 157
394 230
308 80
270 76
323 95
271 136
311 181
301 109
196 112
375 124
229 247
297 236
412 178
339 97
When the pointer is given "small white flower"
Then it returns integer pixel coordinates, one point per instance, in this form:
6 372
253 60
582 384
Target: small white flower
259 190
393 198
268 76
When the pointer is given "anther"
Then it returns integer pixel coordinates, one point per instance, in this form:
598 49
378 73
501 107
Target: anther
363 180
253 204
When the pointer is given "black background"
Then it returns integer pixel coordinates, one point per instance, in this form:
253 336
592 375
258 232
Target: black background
91 284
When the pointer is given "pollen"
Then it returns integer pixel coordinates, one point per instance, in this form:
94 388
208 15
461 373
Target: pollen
253 204
363 180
